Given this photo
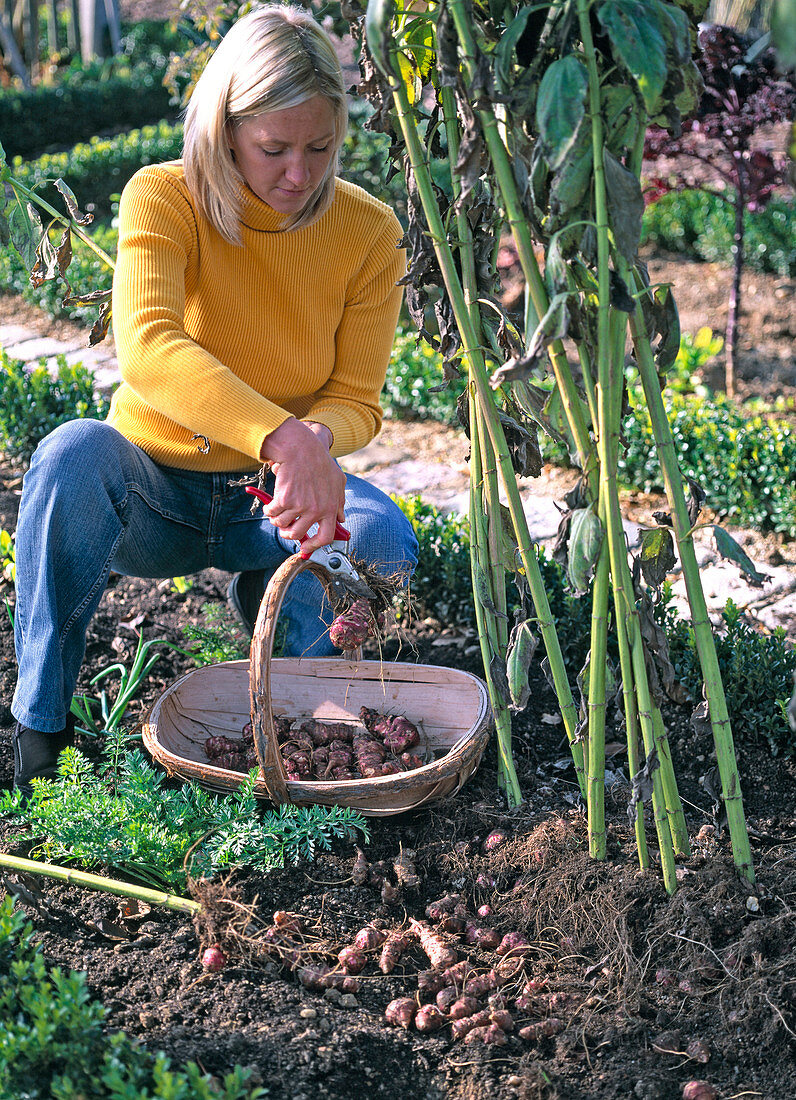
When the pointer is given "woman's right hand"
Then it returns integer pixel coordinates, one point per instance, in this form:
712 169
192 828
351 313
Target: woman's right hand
309 485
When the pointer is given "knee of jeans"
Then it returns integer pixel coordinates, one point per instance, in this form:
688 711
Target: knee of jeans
388 542
75 445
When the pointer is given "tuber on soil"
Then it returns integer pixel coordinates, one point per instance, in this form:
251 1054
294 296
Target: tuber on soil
487 938
369 938
464 1006
446 997
352 960
699 1090
440 954
359 872
401 1012
460 1027
394 946
213 958
429 1018
405 870
512 945
490 1033
496 839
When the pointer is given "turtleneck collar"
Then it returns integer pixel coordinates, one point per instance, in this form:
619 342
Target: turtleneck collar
258 215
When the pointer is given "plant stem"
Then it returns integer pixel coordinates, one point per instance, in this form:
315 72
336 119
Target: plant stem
97 882
700 622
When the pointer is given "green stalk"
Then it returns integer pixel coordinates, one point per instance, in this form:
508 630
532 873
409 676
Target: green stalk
703 632
632 733
477 369
598 659
97 882
486 622
610 348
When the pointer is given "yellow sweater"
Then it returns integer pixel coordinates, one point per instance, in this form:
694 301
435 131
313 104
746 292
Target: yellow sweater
227 342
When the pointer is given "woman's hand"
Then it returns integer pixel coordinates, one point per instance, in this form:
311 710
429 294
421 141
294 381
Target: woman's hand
309 485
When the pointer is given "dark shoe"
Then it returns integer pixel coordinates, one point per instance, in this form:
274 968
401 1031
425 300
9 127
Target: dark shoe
36 754
245 594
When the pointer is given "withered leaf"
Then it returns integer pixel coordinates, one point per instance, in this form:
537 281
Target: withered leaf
625 205
585 544
619 294
99 330
657 557
497 674
695 501
661 672
642 784
71 204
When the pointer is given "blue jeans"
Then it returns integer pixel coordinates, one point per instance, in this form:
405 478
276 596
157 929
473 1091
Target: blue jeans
93 502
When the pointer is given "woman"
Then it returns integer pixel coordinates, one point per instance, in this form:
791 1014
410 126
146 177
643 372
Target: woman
254 306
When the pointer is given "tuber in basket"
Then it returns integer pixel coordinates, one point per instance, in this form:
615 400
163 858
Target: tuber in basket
449 707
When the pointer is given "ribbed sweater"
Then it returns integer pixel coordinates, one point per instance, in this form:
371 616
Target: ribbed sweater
227 341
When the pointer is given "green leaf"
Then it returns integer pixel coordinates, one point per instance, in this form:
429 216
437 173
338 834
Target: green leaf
504 53
625 206
657 556
637 42
560 106
729 549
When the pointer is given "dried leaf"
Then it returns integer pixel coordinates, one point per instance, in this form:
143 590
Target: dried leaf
625 206
521 650
25 230
585 543
657 557
642 784
695 501
71 204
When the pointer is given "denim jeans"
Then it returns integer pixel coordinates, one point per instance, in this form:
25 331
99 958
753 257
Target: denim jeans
93 502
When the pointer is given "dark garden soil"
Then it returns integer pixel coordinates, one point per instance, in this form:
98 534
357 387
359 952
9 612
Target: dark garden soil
634 993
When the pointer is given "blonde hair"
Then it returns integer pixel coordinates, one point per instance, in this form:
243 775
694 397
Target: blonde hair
275 57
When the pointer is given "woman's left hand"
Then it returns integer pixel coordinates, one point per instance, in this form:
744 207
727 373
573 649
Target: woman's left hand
309 485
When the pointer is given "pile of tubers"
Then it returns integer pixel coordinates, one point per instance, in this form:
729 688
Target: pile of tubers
478 1005
329 751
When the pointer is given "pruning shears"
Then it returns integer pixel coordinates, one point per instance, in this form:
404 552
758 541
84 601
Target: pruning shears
333 558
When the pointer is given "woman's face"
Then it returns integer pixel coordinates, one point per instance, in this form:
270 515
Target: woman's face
283 155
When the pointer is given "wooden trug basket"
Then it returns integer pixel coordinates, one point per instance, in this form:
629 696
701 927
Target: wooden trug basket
450 708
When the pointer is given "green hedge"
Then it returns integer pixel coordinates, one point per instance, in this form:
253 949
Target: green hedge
701 225
745 462
85 99
413 377
98 169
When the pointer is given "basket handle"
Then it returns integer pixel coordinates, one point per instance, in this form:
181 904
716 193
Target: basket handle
261 654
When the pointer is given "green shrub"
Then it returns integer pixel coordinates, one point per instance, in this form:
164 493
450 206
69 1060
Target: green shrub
54 1045
701 225
746 463
33 402
411 388
98 169
756 669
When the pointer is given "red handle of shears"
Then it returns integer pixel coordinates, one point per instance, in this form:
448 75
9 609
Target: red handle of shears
340 532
